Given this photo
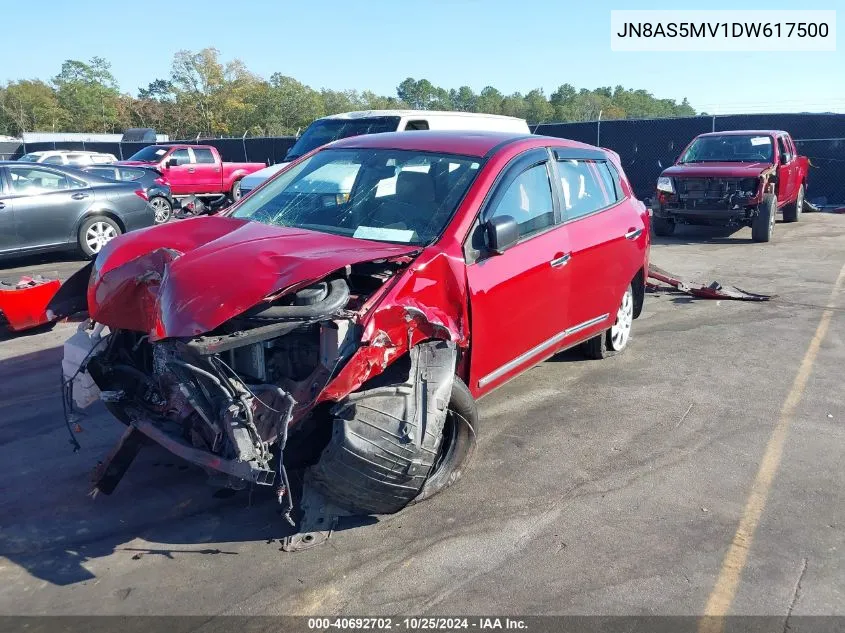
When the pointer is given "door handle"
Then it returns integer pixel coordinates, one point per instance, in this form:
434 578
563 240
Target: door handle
633 234
560 260
190 170
2 205
79 196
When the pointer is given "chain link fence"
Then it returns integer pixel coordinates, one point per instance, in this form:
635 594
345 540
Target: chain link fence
646 146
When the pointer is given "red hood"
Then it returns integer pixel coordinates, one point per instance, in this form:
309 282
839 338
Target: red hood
718 170
189 277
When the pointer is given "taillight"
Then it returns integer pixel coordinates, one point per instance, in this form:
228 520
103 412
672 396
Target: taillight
142 194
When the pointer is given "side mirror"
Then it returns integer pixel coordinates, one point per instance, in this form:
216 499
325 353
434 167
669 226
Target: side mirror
171 162
502 233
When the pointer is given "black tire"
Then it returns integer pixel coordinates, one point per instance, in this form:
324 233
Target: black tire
663 227
763 224
458 445
378 460
792 212
235 193
163 209
93 226
607 343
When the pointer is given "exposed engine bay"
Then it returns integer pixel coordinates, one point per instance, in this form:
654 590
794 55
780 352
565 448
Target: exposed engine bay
228 400
712 193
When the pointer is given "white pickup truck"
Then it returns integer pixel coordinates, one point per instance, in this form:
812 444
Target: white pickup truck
337 126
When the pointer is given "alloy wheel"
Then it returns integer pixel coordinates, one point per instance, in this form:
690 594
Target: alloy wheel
98 235
620 332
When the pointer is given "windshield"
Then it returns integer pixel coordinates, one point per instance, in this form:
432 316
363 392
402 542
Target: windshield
729 148
29 158
150 154
324 131
376 194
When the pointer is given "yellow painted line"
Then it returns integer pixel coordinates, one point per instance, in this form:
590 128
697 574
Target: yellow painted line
724 592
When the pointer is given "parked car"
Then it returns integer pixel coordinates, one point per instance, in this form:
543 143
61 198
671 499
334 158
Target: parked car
194 169
337 126
367 325
68 157
47 208
151 179
736 178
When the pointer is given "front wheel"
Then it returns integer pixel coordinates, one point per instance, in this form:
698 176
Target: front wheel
663 227
792 212
162 207
615 339
95 233
763 224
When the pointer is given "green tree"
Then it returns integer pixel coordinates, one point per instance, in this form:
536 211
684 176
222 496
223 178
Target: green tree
29 105
489 101
87 92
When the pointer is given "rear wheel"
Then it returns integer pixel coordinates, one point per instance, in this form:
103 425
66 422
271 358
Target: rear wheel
95 233
663 227
615 339
235 194
162 207
792 212
763 225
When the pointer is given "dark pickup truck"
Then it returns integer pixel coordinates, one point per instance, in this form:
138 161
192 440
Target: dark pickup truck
736 178
194 169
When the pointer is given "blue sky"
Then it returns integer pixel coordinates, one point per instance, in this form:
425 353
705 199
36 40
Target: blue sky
514 45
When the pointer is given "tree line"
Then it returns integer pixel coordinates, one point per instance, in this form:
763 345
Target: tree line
204 95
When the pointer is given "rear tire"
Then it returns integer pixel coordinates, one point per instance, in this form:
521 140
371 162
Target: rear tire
615 339
792 212
663 227
763 224
235 194
95 233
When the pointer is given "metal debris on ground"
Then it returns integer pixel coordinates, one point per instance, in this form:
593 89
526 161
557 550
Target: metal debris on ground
713 290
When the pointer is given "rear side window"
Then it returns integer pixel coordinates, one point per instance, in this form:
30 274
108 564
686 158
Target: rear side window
203 155
587 186
105 172
54 160
130 174
528 199
416 125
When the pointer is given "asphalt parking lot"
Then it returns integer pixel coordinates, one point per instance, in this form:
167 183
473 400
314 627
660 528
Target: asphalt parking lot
701 470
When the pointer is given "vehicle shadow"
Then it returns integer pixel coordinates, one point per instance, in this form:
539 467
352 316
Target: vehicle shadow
685 234
55 529
57 264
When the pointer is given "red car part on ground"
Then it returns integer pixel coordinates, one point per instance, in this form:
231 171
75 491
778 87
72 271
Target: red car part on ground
23 304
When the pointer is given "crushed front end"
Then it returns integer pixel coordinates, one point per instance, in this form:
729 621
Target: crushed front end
710 200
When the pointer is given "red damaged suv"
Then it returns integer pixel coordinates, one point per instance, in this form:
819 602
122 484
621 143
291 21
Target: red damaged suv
345 316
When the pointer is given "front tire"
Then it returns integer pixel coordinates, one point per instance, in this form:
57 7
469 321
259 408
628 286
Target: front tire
162 207
663 227
95 233
615 339
792 212
763 224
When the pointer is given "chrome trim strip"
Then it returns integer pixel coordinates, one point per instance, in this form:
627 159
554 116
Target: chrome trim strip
550 342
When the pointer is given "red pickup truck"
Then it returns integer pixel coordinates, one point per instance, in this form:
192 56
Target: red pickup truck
736 178
194 169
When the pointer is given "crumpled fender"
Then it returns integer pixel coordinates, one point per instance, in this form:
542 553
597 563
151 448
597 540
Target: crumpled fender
428 301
